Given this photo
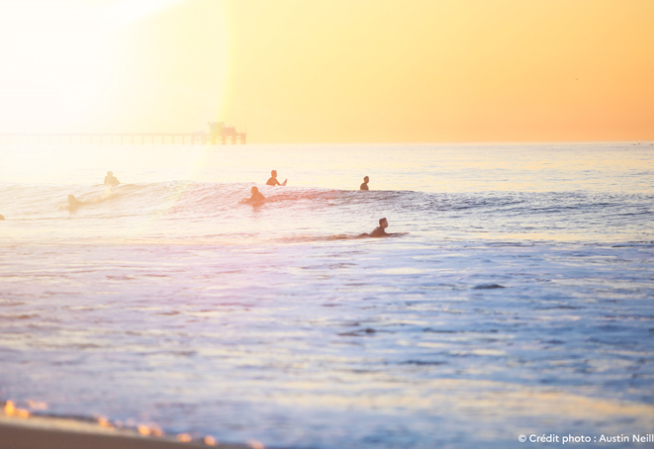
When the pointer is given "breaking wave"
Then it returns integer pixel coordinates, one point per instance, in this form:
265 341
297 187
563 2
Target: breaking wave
186 211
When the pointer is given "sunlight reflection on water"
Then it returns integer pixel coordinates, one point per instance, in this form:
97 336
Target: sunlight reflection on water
518 302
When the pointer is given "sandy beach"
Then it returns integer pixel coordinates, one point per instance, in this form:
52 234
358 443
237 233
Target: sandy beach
54 433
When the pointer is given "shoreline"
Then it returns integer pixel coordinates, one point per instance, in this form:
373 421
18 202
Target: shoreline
64 433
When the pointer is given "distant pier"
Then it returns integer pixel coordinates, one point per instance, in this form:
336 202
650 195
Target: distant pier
218 134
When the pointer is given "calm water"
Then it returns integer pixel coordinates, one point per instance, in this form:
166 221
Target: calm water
165 302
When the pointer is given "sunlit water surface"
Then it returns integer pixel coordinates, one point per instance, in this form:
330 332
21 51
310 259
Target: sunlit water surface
518 302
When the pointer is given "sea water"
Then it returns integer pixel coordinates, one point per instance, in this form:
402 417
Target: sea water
517 301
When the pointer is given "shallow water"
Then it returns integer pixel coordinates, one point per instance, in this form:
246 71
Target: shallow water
519 302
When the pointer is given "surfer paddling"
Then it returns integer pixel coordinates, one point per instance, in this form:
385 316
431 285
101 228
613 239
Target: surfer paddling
110 180
73 202
380 231
256 198
272 181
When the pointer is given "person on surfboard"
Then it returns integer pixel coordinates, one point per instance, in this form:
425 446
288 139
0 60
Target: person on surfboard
380 231
256 197
273 180
111 180
73 202
364 185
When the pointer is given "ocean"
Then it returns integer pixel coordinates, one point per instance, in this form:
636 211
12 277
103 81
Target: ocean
517 300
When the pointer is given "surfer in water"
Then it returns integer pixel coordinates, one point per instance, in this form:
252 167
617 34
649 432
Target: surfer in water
256 198
111 180
364 185
380 231
273 180
73 202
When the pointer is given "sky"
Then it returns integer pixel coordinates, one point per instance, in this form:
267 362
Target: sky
304 71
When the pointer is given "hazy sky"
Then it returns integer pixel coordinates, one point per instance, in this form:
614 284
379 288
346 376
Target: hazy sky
332 70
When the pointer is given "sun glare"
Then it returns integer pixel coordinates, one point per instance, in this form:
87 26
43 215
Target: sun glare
128 11
57 58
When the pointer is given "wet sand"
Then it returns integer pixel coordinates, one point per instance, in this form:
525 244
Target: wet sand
36 433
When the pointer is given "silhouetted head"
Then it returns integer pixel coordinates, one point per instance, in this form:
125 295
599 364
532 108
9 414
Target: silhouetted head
366 179
273 173
254 190
110 173
383 222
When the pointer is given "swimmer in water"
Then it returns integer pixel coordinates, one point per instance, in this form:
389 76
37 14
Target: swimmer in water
273 180
364 185
2 217
256 197
73 202
111 180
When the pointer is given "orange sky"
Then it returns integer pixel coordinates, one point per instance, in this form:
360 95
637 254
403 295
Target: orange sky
333 70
